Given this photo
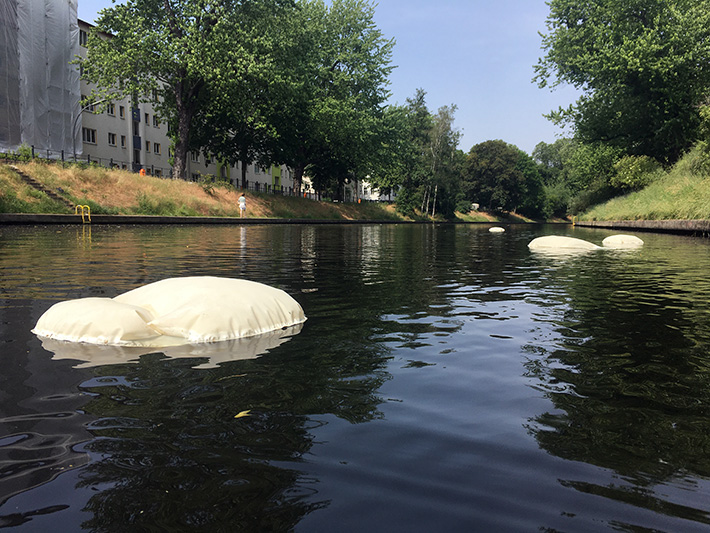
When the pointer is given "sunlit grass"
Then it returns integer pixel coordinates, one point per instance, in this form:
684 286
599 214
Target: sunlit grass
111 191
682 193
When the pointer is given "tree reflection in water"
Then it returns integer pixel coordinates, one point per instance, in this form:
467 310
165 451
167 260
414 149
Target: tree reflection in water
624 363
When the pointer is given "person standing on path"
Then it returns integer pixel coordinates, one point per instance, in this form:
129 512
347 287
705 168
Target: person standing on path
242 205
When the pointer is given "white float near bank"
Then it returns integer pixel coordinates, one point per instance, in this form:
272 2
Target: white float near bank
561 243
173 312
622 241
496 229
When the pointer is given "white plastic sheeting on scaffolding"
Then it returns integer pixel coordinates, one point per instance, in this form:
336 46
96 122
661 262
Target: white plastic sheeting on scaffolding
39 87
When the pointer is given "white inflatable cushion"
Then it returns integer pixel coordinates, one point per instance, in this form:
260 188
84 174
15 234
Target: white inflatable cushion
209 309
173 312
558 242
96 321
622 241
496 229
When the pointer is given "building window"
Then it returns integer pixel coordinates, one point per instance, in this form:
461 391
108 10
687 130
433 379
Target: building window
123 141
146 118
122 111
111 139
158 173
156 148
256 169
147 146
83 38
195 158
195 177
88 135
156 122
111 109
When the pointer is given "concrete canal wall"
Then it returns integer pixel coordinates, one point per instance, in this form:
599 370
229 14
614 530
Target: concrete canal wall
686 227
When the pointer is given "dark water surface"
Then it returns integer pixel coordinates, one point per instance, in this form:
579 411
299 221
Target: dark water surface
447 379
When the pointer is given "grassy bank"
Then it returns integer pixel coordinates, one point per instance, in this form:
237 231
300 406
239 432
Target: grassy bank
119 192
126 193
683 192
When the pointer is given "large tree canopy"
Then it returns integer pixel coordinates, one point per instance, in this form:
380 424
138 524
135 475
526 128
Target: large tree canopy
177 54
331 87
643 67
500 176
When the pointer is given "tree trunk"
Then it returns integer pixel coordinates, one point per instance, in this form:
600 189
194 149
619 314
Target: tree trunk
182 140
180 155
244 174
433 204
298 178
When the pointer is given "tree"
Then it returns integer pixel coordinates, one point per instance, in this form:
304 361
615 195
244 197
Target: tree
443 141
177 54
643 67
500 176
331 87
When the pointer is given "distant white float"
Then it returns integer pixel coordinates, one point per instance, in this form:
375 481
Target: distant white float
496 229
173 312
622 241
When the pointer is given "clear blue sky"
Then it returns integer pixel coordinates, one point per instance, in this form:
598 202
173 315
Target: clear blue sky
476 54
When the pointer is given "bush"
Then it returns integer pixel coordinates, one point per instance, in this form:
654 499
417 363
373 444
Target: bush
556 200
464 206
633 172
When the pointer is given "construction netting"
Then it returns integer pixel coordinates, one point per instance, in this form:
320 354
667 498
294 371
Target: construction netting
39 87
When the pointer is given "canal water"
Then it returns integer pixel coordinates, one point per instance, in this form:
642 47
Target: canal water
447 379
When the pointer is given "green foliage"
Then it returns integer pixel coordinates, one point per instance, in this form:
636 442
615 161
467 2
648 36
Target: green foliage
178 55
556 200
682 192
702 148
634 172
500 176
325 105
643 67
24 152
591 166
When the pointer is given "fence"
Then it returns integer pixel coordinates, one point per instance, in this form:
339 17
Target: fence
28 154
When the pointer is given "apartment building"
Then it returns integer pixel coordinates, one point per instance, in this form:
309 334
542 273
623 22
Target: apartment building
41 96
133 136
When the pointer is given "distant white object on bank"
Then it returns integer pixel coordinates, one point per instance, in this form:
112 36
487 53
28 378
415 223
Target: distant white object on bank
173 312
622 241
496 229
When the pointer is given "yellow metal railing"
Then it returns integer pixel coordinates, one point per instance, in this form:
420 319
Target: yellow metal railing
84 209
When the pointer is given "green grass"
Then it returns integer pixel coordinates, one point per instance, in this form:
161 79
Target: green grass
681 193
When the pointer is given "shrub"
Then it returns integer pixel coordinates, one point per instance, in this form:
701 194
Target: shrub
633 172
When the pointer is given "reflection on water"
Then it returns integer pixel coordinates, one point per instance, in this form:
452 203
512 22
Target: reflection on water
447 379
215 352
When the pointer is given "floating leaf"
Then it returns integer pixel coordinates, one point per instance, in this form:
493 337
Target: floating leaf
243 413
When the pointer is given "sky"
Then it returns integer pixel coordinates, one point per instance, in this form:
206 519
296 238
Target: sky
476 54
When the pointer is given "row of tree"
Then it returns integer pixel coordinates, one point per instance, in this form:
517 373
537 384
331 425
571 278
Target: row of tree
298 82
304 83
